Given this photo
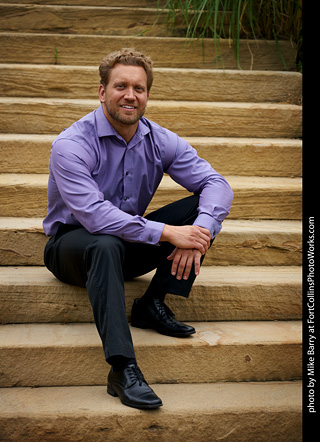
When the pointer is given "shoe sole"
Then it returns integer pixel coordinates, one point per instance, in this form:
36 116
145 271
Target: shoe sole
174 335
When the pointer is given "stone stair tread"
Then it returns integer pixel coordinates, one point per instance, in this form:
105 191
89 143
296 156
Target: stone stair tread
203 139
33 294
229 225
81 400
160 103
240 182
83 50
71 354
217 275
207 334
207 411
169 83
29 153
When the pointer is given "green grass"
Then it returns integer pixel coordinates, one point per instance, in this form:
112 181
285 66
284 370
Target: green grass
237 19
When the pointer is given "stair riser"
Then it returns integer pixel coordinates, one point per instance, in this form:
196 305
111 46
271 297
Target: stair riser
30 154
89 50
110 3
270 412
45 299
264 198
25 247
86 366
85 20
32 202
217 119
169 84
76 363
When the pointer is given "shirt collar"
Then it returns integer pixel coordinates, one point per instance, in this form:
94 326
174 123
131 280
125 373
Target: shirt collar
105 129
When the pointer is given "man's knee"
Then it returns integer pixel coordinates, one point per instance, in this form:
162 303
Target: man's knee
105 247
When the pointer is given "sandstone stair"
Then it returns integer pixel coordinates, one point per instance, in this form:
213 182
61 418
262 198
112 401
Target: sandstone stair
239 377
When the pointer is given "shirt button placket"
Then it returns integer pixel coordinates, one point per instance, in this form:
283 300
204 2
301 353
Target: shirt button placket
127 179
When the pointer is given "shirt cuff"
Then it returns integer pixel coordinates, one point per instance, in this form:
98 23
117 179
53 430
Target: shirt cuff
152 232
206 221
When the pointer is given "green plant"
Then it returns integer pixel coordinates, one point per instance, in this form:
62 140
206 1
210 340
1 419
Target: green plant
236 19
56 55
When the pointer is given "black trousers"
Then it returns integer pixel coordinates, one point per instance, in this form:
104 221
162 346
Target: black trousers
102 263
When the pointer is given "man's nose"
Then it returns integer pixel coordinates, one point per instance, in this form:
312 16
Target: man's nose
130 95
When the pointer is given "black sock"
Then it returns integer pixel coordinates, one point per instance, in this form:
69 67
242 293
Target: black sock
152 293
119 363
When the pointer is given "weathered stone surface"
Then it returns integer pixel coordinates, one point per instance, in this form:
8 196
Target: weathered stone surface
86 50
25 195
90 20
123 3
40 116
34 295
71 354
169 84
29 153
22 241
276 242
242 412
241 242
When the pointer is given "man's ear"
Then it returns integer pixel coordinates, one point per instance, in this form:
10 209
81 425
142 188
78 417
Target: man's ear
102 93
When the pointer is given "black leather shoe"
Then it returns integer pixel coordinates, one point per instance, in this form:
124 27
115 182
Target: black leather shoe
132 389
157 315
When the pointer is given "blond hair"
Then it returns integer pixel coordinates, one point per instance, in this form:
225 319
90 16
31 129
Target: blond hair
127 56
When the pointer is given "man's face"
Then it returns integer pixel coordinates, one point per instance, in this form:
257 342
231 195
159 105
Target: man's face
125 97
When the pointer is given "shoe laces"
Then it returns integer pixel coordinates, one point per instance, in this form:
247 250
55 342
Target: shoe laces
135 374
163 310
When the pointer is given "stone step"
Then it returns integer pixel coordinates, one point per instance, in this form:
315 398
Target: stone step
241 242
25 195
237 412
71 354
267 120
254 197
29 153
220 293
122 3
84 50
169 84
85 19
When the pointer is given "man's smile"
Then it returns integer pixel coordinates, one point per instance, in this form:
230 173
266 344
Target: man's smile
127 106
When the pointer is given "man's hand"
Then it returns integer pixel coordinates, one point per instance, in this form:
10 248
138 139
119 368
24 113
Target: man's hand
182 260
187 237
191 242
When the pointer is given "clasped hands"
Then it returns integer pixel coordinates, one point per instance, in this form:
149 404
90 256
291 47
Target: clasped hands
191 243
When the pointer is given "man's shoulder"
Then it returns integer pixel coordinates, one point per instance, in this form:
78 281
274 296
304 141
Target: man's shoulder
80 130
156 129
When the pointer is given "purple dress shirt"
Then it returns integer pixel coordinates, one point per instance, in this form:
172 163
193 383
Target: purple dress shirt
99 181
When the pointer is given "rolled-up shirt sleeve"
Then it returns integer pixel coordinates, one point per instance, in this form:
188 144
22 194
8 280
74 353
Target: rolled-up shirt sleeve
71 167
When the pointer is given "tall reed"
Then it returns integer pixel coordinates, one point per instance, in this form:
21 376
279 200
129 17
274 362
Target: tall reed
235 19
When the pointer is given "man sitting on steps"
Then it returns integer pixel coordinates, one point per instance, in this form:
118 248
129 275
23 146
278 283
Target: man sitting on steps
104 171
